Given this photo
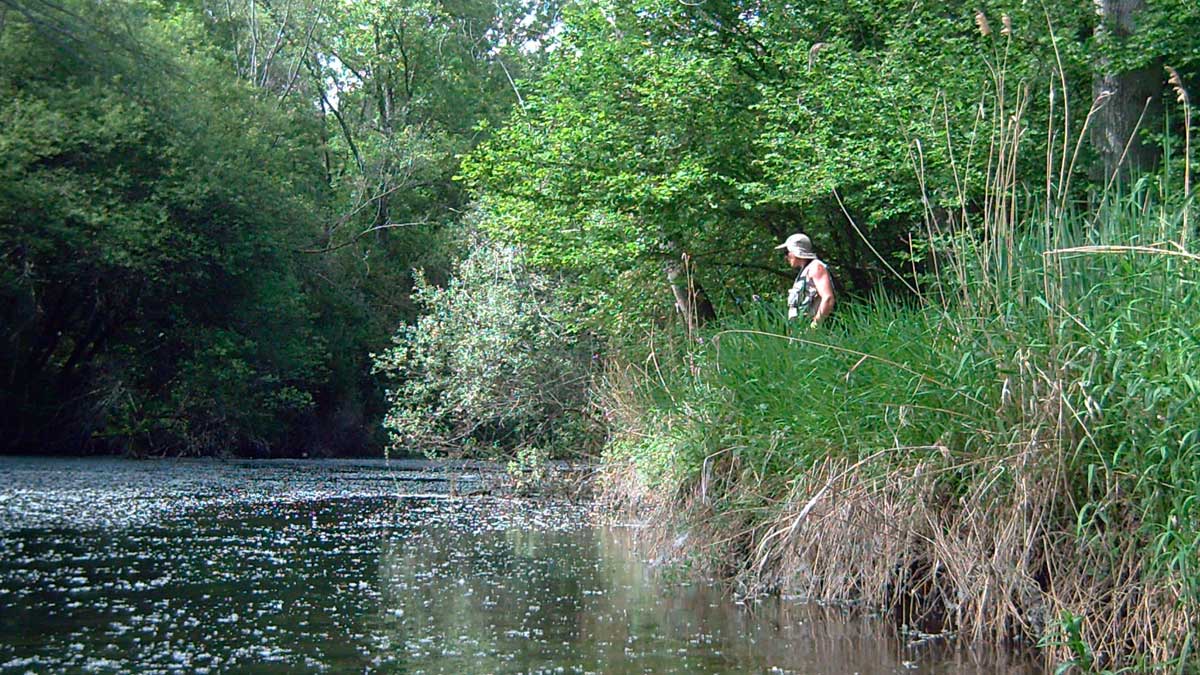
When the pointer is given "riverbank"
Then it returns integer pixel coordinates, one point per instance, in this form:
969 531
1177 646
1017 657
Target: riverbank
1015 457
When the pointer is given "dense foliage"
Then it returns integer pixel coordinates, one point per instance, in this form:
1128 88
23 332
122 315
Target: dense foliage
662 130
209 212
147 232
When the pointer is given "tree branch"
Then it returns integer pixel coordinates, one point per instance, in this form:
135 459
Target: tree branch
360 235
341 121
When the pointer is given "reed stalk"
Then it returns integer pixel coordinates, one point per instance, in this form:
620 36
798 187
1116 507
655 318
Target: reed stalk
1183 98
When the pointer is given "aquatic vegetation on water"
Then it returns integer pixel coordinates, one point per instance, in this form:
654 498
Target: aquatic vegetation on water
331 567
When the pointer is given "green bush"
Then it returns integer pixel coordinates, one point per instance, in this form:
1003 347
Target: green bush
492 364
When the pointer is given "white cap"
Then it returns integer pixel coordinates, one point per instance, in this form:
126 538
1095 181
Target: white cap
799 245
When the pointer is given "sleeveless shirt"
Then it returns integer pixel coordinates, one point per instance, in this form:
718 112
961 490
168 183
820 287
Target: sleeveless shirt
804 290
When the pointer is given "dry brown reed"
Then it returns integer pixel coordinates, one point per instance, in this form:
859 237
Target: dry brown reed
991 564
981 20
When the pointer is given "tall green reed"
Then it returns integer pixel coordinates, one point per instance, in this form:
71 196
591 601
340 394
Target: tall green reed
1055 346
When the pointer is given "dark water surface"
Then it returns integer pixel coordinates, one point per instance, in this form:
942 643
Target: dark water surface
361 566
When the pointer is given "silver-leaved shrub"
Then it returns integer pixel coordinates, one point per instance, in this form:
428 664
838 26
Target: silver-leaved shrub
492 366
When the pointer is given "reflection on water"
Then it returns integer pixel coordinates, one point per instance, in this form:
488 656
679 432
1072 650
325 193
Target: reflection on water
317 566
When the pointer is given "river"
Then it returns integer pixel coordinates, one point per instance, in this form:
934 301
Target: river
204 566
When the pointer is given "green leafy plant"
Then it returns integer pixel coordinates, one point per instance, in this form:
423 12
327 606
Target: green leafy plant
493 360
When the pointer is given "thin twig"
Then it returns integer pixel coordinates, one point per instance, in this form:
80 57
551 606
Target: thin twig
870 246
360 235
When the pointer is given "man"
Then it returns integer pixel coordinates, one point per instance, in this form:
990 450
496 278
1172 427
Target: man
812 294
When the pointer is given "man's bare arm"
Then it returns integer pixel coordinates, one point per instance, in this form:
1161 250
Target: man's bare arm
824 284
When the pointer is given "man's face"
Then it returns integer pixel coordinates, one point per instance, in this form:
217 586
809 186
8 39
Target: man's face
795 261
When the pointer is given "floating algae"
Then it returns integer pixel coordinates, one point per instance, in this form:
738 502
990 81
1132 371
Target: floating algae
206 566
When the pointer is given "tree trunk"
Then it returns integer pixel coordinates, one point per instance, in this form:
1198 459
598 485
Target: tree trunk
691 301
1127 96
